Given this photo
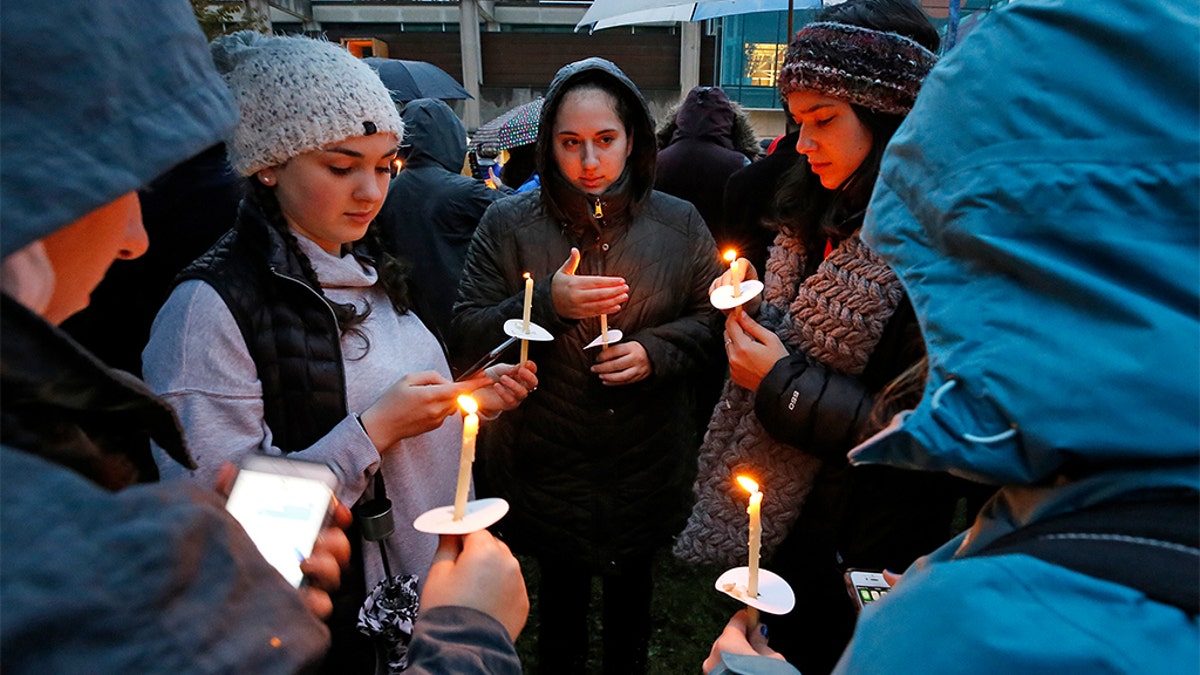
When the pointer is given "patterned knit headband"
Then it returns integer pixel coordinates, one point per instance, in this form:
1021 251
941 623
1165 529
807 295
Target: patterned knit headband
875 69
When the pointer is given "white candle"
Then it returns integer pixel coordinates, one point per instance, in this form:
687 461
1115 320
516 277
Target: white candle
735 272
755 542
525 317
603 331
467 457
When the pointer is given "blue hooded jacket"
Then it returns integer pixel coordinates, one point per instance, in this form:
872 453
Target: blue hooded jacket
1041 205
97 99
1042 212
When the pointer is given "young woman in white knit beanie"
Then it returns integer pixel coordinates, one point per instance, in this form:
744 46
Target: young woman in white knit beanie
297 334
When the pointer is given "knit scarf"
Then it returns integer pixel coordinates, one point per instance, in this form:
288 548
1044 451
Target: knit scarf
835 317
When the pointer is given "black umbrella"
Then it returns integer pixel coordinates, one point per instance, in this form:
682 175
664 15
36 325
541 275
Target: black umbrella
409 80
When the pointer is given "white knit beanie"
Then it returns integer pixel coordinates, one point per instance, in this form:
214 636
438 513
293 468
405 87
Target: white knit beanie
297 94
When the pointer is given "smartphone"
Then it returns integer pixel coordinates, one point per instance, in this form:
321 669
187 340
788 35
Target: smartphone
866 586
487 360
282 504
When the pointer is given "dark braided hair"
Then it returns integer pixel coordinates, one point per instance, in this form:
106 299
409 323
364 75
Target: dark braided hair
392 272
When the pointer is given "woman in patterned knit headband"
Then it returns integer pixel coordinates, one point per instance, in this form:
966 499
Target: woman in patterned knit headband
833 329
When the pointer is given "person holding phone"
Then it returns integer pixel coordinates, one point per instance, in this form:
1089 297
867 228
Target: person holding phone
1061 367
297 334
98 557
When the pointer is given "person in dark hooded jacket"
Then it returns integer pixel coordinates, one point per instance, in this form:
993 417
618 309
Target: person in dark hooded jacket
432 210
597 462
701 151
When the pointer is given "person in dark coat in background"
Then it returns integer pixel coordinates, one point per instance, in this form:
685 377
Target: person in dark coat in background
700 146
521 165
597 462
750 192
184 211
432 210
705 140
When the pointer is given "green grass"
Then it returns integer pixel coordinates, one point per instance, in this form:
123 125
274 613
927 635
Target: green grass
687 614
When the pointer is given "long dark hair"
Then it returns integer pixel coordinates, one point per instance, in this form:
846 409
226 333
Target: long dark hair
805 208
392 272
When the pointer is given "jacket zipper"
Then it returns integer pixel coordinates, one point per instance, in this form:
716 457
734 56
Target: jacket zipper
336 328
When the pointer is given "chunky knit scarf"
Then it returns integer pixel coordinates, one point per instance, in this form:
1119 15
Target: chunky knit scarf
835 317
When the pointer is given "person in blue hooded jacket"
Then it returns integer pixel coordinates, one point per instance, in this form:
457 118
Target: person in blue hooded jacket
1049 244
103 569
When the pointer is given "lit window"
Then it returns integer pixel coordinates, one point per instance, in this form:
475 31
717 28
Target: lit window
763 60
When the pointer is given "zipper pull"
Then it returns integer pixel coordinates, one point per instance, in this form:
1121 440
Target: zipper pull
599 211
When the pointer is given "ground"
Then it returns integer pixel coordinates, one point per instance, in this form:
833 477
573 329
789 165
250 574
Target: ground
687 615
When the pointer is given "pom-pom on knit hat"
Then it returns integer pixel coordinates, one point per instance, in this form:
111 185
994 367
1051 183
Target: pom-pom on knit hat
878 70
297 94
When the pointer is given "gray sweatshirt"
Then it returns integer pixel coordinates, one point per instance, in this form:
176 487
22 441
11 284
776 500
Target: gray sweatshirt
198 361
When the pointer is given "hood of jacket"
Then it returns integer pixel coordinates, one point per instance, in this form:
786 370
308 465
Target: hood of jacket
1050 246
433 134
705 114
638 180
92 119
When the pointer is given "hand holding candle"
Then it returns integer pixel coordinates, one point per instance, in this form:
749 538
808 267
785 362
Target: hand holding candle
738 286
525 317
467 458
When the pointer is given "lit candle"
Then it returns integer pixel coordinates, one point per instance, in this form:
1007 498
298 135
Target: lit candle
603 331
735 272
755 532
525 317
470 430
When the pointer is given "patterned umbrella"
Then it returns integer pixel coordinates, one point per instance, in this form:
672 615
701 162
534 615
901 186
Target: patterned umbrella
518 126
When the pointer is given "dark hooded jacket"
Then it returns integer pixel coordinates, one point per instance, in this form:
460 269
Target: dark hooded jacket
701 156
595 475
432 210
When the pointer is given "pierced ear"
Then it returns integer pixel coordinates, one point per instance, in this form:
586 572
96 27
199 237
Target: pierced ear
266 177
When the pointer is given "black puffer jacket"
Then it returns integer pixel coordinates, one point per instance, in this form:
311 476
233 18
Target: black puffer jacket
595 474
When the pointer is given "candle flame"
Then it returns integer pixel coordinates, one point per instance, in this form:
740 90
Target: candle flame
468 404
748 484
525 276
730 255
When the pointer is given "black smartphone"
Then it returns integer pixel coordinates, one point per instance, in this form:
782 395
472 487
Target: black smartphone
487 360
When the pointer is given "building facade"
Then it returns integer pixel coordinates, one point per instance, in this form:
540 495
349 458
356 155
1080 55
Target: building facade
505 52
